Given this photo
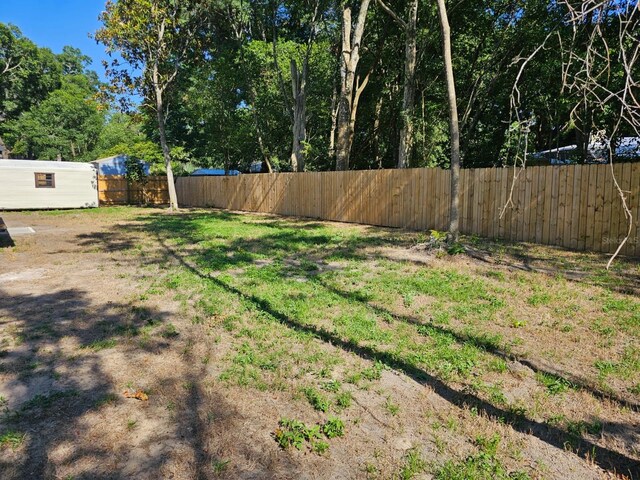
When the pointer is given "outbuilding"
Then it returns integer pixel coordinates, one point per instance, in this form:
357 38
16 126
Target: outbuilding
40 184
214 172
116 165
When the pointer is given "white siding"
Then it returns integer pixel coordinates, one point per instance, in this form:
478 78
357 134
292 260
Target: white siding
75 185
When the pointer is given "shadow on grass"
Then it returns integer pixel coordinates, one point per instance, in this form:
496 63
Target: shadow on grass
580 267
487 344
608 459
105 241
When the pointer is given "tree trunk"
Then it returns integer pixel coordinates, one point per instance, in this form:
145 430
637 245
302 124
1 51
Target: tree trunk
298 87
350 57
343 148
376 131
454 226
408 100
171 186
263 151
4 151
334 121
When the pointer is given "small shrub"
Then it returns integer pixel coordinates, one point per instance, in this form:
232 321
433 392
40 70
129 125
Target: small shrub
455 249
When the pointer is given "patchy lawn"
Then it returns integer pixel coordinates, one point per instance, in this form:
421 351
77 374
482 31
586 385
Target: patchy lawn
140 344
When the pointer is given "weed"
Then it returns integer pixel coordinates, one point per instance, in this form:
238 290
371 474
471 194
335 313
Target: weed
331 386
316 399
456 249
46 401
452 424
333 427
100 345
413 465
131 424
291 433
628 365
170 331
538 299
343 399
108 399
373 372
319 447
391 407
555 385
219 466
480 466
11 439
579 428
498 275
407 299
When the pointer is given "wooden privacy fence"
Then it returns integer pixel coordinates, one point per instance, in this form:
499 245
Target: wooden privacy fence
117 190
573 206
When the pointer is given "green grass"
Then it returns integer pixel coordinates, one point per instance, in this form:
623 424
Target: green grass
483 465
11 439
414 465
317 400
627 367
101 344
553 384
48 400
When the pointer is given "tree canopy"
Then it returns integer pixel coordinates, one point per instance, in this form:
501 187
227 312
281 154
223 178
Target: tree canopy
226 71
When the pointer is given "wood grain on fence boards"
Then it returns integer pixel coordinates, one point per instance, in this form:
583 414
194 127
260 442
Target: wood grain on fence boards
117 190
575 206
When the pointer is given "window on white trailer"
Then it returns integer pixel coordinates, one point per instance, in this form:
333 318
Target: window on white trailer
45 180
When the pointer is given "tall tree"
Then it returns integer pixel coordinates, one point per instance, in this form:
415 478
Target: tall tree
408 100
454 227
348 103
158 39
66 124
299 80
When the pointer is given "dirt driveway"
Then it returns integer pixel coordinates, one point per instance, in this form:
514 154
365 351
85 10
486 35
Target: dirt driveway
85 328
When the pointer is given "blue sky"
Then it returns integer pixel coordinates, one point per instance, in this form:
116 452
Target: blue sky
56 23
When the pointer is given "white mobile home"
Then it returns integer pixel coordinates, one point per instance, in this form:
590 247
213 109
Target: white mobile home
33 184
